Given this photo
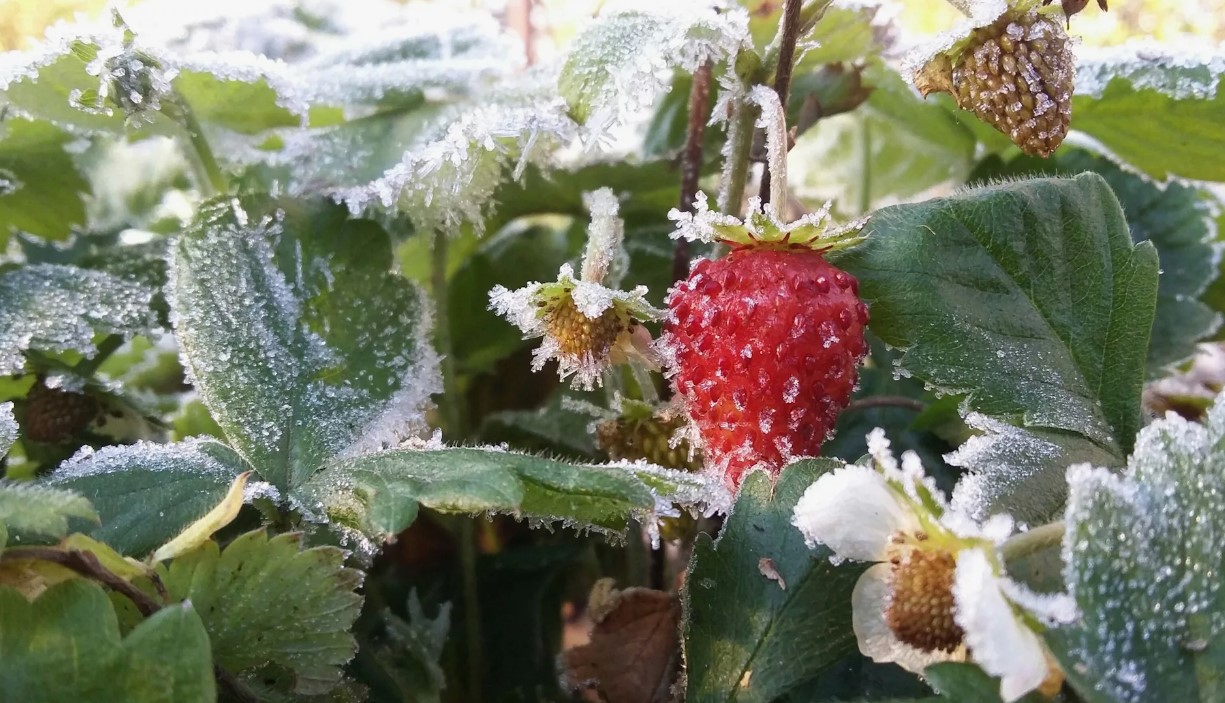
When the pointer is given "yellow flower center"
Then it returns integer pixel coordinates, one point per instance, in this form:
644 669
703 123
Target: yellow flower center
578 335
921 612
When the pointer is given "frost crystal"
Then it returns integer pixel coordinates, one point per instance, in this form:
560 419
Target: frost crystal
8 428
59 308
1182 73
196 455
1142 556
626 58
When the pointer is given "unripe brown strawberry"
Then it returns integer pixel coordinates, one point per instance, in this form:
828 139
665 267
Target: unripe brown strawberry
648 437
1016 74
56 415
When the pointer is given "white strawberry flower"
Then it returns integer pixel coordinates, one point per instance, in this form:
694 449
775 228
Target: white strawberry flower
587 323
939 591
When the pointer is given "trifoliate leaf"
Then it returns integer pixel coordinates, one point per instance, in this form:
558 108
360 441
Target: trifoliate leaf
266 601
1158 108
300 341
751 637
65 645
34 509
146 493
1142 556
56 308
40 187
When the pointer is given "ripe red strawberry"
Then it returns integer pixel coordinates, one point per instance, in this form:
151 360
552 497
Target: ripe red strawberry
766 343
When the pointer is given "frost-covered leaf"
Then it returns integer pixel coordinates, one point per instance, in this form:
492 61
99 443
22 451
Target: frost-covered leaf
895 145
34 509
1143 554
379 494
266 601
845 33
56 308
956 681
40 187
146 493
233 92
300 341
1177 218
8 428
1030 298
66 646
623 60
1018 470
753 638
1158 108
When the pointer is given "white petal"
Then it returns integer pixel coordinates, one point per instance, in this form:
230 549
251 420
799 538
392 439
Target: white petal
852 511
869 601
1001 644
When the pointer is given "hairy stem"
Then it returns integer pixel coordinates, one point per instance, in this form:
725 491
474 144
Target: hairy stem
691 160
788 34
87 565
887 401
736 170
1031 541
211 180
452 405
108 346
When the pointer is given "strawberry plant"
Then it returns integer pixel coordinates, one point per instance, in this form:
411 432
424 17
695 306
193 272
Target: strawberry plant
725 350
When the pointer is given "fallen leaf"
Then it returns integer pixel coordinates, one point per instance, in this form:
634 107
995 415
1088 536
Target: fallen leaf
766 566
634 651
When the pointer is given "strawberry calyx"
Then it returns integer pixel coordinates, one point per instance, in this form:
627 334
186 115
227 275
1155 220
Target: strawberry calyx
764 229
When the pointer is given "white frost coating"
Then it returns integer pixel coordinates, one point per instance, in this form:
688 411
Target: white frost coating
984 12
774 121
451 180
8 428
59 308
1147 544
1181 73
191 455
604 236
626 58
989 475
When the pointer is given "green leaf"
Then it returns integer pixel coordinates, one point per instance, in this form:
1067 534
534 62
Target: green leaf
1028 297
842 35
1143 552
38 510
40 187
552 426
65 645
300 341
955 681
53 84
612 67
58 308
1157 109
246 106
1019 470
265 601
409 654
378 494
146 493
1177 219
747 637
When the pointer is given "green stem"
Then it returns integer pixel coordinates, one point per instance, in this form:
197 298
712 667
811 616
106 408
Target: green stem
211 180
646 383
736 170
472 607
1032 541
108 346
452 403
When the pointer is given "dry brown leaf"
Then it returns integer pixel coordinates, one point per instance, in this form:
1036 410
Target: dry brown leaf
634 650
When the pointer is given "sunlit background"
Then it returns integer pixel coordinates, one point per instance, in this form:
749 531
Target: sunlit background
554 21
